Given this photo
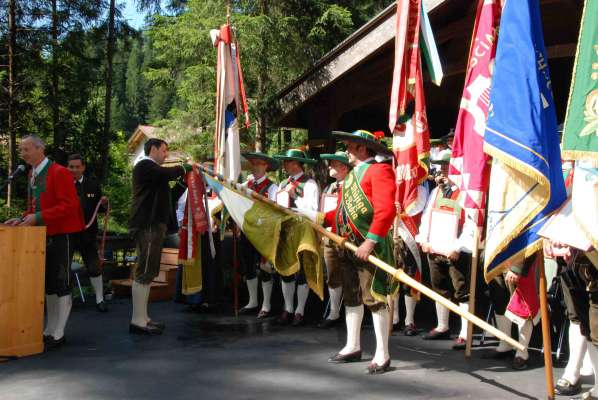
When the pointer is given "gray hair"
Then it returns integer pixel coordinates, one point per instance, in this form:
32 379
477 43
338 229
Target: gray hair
37 141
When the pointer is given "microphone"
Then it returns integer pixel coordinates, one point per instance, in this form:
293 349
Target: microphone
18 171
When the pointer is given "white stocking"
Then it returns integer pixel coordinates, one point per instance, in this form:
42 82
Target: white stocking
577 349
381 319
353 318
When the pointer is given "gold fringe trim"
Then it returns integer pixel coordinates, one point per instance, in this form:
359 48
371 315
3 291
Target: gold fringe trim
580 155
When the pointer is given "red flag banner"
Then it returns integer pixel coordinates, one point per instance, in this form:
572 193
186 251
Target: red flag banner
407 116
469 167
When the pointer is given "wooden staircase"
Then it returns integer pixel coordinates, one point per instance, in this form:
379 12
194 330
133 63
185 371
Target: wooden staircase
163 287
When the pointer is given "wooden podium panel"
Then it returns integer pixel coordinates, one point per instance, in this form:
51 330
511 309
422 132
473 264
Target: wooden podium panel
22 276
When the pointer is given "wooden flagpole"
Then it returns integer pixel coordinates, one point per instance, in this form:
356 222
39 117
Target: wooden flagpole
472 289
545 327
398 274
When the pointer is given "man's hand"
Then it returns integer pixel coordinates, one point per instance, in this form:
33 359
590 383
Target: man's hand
104 200
547 246
512 278
453 255
13 221
425 247
29 220
365 249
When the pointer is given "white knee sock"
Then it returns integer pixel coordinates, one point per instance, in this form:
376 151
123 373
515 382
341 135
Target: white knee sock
504 325
442 314
395 311
267 291
410 304
52 309
577 349
593 351
252 289
525 334
586 367
98 287
139 297
302 293
463 332
353 318
336 296
64 310
288 293
381 319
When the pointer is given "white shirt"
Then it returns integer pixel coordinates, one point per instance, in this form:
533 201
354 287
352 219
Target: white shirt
37 170
271 190
311 195
181 208
464 242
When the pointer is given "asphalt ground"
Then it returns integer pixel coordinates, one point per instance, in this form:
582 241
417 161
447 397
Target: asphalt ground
218 356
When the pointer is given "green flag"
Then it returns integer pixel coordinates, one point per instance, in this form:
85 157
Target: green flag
580 136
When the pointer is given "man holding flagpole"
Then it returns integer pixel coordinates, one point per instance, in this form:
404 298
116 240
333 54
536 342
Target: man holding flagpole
364 215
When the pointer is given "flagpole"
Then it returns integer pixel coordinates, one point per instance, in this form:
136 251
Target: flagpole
397 274
472 289
545 328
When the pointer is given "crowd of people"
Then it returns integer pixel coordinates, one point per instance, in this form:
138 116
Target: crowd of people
359 205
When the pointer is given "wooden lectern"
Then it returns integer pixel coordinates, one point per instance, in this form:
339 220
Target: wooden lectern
22 273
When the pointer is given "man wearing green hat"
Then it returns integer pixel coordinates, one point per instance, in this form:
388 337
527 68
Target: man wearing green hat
252 262
364 215
300 192
338 167
449 263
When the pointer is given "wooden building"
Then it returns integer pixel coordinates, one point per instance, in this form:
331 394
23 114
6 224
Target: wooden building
349 88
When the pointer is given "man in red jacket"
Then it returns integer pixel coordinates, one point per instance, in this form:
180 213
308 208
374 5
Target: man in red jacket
365 215
52 201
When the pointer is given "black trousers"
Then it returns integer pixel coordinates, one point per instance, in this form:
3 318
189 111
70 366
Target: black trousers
250 260
580 293
87 246
59 253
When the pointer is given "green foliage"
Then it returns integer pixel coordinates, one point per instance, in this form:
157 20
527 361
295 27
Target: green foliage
118 184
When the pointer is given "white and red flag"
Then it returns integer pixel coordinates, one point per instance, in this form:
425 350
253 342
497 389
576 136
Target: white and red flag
469 168
407 116
230 103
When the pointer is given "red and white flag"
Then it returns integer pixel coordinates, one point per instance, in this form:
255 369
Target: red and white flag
230 103
469 168
407 117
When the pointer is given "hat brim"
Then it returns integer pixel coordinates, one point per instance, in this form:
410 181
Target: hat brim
375 146
300 160
273 164
440 162
335 158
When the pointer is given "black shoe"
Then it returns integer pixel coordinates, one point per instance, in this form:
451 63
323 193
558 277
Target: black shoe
47 338
328 323
375 369
156 324
285 318
565 388
498 355
410 330
248 310
144 330
263 314
345 358
519 364
52 344
435 335
298 320
101 306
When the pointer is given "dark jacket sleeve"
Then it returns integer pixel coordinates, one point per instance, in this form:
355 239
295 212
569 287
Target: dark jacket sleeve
154 173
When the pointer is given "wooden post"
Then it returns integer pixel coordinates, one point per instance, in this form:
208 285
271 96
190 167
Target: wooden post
545 328
472 290
397 274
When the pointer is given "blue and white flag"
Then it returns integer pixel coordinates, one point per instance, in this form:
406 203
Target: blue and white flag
526 182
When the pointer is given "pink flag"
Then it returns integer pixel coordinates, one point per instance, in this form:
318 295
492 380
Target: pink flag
469 167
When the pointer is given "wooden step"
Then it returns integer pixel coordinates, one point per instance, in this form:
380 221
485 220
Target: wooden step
159 291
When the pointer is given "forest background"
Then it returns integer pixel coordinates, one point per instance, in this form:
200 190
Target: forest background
76 74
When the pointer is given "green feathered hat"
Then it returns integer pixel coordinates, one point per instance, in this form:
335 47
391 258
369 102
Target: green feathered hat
295 155
340 156
273 165
372 140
